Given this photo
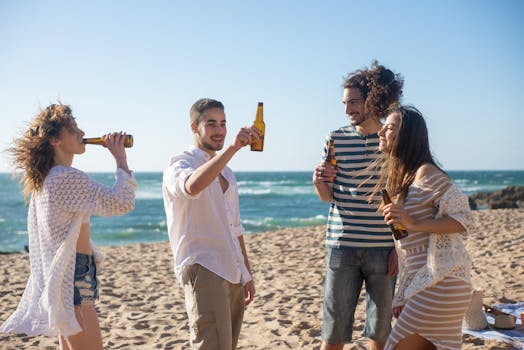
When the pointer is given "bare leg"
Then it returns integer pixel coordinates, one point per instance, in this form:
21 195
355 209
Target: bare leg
375 345
414 342
62 342
327 346
90 338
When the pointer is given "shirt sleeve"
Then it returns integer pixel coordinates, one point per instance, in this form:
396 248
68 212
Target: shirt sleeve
75 191
237 229
455 204
175 177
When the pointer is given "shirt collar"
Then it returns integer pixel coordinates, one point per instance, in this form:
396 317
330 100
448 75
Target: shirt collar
198 153
204 157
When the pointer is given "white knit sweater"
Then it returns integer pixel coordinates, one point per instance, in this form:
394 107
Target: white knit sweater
67 198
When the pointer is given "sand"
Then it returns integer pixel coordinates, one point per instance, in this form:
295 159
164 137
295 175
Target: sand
142 307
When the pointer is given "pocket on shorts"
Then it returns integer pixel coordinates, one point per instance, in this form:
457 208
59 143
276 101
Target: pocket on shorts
334 258
82 270
189 274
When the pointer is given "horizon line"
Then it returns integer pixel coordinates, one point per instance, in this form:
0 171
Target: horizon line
264 171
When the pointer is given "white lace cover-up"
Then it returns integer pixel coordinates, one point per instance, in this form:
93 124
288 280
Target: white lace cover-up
55 215
434 280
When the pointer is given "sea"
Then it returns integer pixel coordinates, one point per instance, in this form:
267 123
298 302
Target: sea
268 201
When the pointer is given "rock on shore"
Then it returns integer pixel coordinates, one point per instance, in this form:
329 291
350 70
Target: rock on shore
511 197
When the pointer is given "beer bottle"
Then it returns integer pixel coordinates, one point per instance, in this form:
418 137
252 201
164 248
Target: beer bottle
398 230
258 145
330 158
128 141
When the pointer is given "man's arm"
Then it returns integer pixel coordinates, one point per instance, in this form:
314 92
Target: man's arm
249 287
205 174
322 174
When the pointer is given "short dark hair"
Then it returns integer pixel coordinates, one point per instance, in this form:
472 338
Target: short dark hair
201 106
380 88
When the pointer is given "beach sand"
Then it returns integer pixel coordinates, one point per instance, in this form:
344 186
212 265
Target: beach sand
142 307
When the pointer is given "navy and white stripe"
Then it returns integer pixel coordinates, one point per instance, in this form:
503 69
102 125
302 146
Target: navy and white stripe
353 222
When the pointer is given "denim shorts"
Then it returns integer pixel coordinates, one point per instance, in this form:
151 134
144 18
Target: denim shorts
86 282
347 269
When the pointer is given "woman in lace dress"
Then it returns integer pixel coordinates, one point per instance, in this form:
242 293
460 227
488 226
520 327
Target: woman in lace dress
434 281
63 285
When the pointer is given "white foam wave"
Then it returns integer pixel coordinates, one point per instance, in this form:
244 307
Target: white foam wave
284 191
149 194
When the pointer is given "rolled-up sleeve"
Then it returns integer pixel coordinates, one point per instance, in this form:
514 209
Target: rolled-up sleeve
175 177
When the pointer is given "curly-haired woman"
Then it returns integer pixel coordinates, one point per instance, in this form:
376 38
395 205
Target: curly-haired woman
63 286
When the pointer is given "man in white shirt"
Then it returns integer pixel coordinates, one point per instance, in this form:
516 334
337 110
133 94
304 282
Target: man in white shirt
203 220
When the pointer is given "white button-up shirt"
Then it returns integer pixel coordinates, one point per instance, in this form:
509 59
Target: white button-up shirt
204 228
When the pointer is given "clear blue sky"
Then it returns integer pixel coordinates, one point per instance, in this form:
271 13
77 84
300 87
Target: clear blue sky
139 65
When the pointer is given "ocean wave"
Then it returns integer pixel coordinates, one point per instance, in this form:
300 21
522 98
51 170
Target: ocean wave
256 188
270 183
271 222
461 181
311 219
254 191
281 191
149 194
257 222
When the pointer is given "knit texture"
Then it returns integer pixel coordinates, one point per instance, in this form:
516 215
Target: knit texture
55 216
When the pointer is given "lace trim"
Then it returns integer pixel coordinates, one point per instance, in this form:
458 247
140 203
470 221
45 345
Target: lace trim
447 255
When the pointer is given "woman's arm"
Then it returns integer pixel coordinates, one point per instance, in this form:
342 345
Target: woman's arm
394 213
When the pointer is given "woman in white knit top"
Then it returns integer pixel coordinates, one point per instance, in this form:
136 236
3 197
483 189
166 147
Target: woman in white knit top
61 290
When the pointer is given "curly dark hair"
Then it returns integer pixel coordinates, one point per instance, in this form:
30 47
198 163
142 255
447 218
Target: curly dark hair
32 153
380 88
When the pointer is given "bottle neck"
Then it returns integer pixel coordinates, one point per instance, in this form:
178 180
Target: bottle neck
95 141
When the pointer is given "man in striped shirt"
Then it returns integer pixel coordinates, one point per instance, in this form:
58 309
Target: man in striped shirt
360 245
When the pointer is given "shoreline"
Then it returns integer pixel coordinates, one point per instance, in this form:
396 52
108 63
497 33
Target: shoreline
141 305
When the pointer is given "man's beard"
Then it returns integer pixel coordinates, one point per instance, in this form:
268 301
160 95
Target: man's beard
211 147
362 118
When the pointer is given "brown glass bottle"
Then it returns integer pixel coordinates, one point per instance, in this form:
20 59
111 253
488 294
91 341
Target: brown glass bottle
128 141
258 145
330 159
398 230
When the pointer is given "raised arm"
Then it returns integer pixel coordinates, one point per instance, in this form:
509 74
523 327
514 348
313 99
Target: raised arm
76 192
205 174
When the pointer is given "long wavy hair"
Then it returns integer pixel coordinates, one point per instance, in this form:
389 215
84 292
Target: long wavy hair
32 153
380 88
409 151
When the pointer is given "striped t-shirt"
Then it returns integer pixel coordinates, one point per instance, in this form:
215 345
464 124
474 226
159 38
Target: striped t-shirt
353 222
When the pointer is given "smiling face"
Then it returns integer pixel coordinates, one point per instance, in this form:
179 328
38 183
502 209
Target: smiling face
210 132
389 132
354 103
